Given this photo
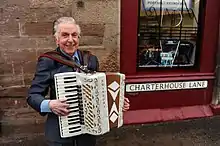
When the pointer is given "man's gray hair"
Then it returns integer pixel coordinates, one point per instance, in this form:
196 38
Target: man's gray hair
64 20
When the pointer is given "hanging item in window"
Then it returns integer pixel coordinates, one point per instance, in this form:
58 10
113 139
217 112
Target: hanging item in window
167 34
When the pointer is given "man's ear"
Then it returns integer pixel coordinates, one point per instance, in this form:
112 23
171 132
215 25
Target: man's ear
57 43
56 40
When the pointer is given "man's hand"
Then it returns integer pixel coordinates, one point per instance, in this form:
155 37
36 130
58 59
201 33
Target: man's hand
126 104
59 107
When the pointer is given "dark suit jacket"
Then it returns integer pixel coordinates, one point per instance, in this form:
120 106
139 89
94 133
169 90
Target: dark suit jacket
43 81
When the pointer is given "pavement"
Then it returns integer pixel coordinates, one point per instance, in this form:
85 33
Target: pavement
196 132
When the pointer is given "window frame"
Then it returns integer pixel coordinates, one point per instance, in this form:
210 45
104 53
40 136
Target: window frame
129 41
197 41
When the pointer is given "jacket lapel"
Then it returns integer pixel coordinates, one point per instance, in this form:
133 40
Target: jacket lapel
80 56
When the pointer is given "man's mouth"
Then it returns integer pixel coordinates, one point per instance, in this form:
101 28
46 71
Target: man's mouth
70 45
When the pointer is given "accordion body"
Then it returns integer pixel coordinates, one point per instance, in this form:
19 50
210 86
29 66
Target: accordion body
96 102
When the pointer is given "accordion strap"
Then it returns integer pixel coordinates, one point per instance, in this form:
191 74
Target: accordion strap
56 56
86 55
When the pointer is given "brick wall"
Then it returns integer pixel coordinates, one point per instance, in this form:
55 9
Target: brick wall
26 32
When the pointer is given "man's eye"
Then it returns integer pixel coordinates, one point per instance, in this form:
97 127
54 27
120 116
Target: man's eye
65 35
74 34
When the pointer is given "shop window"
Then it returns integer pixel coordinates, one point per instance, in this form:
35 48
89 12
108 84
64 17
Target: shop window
168 33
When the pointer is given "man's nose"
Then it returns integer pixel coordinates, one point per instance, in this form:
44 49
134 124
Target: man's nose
70 38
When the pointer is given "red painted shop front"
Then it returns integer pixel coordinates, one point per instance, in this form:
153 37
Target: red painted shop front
168 53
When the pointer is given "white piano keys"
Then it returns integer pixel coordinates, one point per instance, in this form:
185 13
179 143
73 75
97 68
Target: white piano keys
90 114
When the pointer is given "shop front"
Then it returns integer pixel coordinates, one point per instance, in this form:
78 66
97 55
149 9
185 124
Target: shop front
168 53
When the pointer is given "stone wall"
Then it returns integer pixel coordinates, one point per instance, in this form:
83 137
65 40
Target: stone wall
26 32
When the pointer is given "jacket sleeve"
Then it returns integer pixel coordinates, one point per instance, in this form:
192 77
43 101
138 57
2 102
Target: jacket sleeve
40 84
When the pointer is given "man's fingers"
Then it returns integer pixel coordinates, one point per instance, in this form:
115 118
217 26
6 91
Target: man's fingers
61 112
56 112
125 109
126 104
63 100
64 112
127 100
64 105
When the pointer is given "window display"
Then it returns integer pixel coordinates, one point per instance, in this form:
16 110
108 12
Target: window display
168 33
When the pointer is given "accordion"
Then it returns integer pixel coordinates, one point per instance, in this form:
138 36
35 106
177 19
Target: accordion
96 102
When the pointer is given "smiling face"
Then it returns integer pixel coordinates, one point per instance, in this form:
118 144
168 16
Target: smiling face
68 37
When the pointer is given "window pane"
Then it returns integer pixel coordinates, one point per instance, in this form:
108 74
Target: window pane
167 33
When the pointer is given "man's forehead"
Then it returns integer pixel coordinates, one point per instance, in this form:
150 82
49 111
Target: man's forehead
67 28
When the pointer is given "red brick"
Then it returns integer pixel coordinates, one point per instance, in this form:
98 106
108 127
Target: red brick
3 2
29 67
5 63
47 14
20 3
28 79
5 68
11 29
25 112
32 119
9 103
20 55
9 80
4 56
92 29
11 131
38 28
14 92
21 60
41 51
50 4
11 15
14 43
91 40
46 42
13 10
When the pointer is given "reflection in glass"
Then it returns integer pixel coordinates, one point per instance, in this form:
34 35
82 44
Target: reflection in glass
167 33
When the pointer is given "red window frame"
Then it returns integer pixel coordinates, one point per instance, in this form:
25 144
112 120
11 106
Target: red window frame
129 31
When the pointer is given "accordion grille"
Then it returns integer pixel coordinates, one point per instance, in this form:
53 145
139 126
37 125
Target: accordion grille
89 118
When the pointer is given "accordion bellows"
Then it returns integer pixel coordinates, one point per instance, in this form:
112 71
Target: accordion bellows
96 102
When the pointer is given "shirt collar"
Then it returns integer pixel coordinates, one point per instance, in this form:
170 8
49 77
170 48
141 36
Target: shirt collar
74 55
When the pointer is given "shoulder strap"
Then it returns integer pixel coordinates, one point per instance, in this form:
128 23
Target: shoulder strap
86 55
56 56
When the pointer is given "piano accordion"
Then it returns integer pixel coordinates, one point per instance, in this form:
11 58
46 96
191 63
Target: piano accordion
96 102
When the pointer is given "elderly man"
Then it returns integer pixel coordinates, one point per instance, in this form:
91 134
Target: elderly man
67 34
